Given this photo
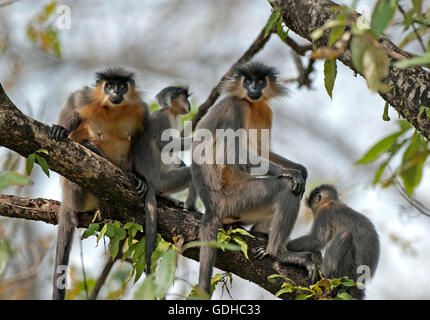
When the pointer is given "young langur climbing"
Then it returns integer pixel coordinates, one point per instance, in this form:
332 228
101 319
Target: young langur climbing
147 159
349 238
106 119
236 190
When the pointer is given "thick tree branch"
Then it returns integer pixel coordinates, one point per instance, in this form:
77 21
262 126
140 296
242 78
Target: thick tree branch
411 85
24 135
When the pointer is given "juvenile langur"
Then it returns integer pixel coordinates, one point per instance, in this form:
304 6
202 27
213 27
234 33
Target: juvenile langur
106 119
229 191
146 160
349 238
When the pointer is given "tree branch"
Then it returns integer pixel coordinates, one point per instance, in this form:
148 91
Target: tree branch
411 85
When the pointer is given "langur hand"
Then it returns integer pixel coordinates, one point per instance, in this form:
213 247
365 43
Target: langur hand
59 133
297 180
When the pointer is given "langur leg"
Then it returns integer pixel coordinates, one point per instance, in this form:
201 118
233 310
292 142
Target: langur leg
339 261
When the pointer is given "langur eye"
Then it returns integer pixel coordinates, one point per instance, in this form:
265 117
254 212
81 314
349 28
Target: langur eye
260 81
121 86
248 82
109 86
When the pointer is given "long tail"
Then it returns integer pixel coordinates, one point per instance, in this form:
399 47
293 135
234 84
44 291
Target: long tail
151 218
208 232
64 244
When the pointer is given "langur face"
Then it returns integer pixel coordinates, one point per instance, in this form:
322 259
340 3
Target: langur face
116 89
254 86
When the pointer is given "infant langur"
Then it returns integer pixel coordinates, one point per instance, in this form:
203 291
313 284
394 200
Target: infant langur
147 160
350 240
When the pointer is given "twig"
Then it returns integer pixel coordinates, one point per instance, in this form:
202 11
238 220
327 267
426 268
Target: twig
303 77
414 28
106 270
299 49
7 3
83 268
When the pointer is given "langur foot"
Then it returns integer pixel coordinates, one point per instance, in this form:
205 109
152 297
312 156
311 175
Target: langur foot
140 185
59 133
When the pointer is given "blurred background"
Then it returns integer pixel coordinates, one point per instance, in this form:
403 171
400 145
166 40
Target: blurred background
195 42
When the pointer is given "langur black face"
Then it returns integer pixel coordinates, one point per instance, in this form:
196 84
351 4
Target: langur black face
254 85
116 90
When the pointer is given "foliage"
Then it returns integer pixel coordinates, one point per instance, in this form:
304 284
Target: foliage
413 149
163 261
32 158
324 289
225 237
40 30
276 23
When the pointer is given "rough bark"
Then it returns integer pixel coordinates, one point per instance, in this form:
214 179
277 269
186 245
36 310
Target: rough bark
411 85
24 135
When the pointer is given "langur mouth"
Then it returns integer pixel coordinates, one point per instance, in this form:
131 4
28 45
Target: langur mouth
254 96
116 101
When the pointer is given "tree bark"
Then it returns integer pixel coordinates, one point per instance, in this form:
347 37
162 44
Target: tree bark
411 85
24 135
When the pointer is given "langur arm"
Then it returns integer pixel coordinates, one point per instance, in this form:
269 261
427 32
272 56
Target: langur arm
288 164
305 243
316 240
67 121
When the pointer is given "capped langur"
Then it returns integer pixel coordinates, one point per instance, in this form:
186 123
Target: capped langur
349 238
147 160
106 119
230 190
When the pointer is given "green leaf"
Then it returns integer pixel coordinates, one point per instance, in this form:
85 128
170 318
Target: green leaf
385 115
42 151
304 296
146 290
330 72
412 165
12 178
140 250
212 244
242 232
379 148
337 31
426 110
243 245
30 163
165 273
102 233
344 296
43 164
92 229
375 67
382 15
273 20
412 62
282 291
280 30
140 267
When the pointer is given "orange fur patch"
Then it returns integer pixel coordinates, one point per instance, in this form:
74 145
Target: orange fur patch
109 127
